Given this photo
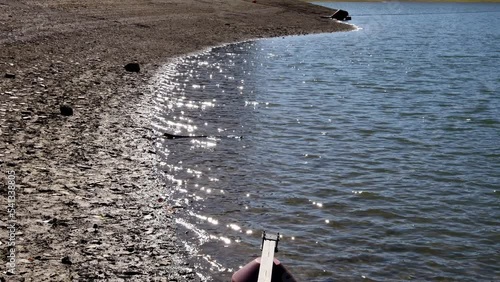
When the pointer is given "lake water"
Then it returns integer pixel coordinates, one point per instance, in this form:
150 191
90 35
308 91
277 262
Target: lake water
375 153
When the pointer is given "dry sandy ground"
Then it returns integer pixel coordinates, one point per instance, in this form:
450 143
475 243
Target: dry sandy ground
79 196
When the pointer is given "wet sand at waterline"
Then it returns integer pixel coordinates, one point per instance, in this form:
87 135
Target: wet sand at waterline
80 197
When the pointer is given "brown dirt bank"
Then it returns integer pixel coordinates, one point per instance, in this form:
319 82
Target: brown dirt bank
87 202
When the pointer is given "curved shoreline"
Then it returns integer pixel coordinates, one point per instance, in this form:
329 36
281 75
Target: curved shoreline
88 202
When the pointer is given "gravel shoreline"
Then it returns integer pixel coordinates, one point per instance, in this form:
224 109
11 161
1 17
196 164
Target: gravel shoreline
87 202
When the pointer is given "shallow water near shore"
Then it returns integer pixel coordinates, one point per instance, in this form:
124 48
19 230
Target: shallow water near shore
374 153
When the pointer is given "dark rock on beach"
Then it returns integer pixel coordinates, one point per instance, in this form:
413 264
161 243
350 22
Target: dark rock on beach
66 260
340 15
10 75
66 110
132 67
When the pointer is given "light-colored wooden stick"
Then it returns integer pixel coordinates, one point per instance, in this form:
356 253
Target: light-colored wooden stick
267 260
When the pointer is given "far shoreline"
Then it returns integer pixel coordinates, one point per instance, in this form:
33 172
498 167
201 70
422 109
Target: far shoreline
405 1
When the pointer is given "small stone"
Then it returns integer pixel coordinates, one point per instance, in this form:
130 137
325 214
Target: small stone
10 75
132 67
24 261
132 272
66 260
66 110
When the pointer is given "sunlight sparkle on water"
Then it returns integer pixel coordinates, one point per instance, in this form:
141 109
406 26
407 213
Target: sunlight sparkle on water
251 103
234 227
226 240
208 219
319 205
202 143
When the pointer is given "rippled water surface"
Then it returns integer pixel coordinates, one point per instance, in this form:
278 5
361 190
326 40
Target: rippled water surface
375 153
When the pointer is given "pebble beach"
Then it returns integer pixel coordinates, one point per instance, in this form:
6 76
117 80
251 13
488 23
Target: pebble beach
80 199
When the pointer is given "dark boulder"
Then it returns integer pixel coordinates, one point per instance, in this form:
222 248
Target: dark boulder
10 75
66 110
66 260
341 15
132 67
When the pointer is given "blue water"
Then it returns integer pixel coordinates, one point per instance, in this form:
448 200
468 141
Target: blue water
375 153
